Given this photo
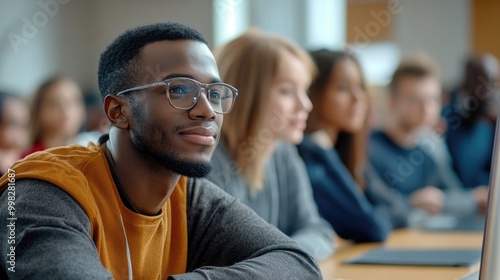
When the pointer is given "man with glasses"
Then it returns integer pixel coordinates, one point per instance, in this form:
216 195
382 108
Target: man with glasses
134 206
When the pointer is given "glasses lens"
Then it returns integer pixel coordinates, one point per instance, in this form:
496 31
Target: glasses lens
221 97
183 94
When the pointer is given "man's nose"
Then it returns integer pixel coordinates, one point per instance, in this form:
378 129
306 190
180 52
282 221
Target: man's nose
202 109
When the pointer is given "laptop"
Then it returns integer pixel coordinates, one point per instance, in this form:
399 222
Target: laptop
419 257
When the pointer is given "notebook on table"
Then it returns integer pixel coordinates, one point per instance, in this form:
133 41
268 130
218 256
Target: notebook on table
450 222
419 257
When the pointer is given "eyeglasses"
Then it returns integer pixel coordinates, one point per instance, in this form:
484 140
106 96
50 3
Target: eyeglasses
184 93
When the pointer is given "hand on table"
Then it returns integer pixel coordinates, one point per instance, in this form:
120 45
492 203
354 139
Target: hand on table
481 197
429 198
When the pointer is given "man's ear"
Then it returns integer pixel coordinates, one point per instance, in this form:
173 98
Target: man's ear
116 110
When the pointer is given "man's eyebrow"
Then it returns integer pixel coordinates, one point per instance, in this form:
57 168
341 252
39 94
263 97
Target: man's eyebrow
171 76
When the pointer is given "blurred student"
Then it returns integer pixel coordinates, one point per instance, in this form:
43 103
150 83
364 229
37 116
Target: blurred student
349 194
96 123
471 117
251 162
57 114
414 106
14 119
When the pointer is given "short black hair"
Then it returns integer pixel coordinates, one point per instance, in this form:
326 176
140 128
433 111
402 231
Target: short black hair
117 62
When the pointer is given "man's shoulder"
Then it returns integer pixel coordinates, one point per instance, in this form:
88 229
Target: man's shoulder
72 155
65 167
202 188
61 160
69 153
377 142
204 198
382 143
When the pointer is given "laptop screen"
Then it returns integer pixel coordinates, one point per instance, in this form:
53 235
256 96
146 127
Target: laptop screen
490 259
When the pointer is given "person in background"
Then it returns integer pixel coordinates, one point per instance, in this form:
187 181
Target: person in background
14 119
414 106
254 161
96 124
57 114
135 206
349 194
471 116
431 140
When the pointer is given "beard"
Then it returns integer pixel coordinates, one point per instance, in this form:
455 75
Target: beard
145 141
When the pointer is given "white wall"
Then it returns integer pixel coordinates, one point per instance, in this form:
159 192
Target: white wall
27 50
114 16
440 28
230 19
311 24
75 36
72 39
283 17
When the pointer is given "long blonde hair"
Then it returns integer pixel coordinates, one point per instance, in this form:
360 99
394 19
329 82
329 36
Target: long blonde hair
251 63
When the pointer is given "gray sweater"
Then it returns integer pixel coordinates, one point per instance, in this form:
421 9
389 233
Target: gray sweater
286 199
226 240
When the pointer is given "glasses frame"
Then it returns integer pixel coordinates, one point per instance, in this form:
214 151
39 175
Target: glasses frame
207 87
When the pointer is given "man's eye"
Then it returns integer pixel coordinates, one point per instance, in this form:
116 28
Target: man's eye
179 90
214 94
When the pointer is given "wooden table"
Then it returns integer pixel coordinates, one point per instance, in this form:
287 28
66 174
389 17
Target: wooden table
333 268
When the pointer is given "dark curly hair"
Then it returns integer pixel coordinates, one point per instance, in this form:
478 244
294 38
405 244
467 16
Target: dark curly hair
119 61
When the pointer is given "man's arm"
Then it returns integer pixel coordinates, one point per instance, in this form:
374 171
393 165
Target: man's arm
457 199
52 238
227 240
384 197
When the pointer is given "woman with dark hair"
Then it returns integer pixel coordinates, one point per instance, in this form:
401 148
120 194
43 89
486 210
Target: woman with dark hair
14 118
57 114
349 194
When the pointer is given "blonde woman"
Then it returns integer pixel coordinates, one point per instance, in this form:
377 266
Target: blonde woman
253 162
